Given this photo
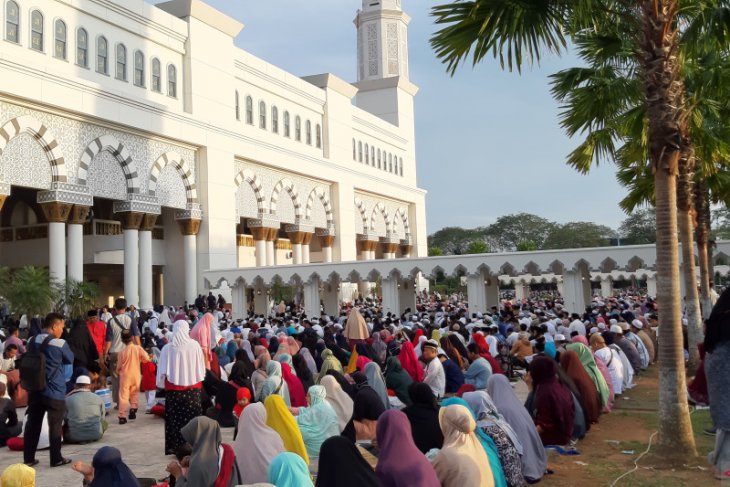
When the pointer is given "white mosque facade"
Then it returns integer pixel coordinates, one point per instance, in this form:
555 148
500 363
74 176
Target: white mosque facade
140 148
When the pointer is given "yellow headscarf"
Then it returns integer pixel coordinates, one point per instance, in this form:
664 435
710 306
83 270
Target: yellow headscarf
352 363
18 475
281 420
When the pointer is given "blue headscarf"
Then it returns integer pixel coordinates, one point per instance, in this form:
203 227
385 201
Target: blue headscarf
550 350
289 470
110 470
487 443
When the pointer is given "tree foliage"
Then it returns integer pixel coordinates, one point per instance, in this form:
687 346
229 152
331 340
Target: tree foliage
638 228
574 235
30 291
477 247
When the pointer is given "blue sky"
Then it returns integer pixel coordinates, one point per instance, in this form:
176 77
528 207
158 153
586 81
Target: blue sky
488 141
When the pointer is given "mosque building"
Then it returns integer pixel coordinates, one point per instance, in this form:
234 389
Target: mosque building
140 148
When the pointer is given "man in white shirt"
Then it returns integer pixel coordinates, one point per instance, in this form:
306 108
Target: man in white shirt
435 377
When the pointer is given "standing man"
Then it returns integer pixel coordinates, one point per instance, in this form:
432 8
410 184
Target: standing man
50 400
114 328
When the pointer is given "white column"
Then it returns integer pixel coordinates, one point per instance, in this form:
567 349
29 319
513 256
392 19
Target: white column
57 251
476 293
651 285
407 295
326 242
327 254
270 253
296 250
260 252
131 266
238 301
310 293
190 257
574 291
606 287
261 301
522 290
391 299
75 251
330 299
492 288
145 269
305 253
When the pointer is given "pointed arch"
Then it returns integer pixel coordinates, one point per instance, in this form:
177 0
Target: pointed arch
255 183
288 185
182 169
380 208
363 214
323 195
41 133
120 153
402 215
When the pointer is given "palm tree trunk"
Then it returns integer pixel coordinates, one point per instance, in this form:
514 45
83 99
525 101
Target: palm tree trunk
702 205
664 95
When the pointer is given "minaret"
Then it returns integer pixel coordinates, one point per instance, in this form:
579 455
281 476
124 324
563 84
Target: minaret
382 40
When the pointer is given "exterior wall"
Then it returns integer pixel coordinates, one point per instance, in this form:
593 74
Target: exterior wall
132 127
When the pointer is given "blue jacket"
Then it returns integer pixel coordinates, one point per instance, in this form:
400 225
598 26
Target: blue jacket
58 354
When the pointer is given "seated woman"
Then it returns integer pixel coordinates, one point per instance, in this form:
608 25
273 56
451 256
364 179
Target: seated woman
553 407
316 422
342 464
423 414
289 470
257 444
212 462
280 419
106 470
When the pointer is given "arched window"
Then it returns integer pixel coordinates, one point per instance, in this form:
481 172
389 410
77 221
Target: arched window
401 166
249 110
172 81
138 68
36 30
12 22
102 56
287 132
82 48
121 72
378 158
390 162
372 155
318 136
238 106
262 114
156 75
298 129
59 33
354 150
367 155
359 151
275 119
308 132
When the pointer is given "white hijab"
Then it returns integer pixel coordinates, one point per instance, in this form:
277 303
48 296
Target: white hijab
256 444
181 361
338 399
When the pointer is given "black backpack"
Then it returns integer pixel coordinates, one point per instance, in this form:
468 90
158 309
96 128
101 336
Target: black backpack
33 366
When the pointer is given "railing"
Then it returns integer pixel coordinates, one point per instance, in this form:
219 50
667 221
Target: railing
158 233
244 240
94 227
107 227
27 232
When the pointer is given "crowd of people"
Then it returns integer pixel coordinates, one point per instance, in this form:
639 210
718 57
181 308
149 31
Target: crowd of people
364 398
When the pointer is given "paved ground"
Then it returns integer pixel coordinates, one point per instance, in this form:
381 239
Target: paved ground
141 443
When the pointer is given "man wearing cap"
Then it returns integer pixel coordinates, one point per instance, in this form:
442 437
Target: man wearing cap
633 338
435 376
626 346
84 414
637 328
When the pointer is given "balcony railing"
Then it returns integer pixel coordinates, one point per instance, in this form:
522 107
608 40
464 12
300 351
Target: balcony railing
95 227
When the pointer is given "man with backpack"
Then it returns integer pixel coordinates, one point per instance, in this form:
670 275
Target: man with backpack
42 376
114 328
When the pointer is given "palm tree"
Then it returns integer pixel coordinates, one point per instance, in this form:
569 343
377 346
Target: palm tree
78 297
516 32
30 292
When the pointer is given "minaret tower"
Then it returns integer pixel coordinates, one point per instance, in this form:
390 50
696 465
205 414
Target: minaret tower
382 40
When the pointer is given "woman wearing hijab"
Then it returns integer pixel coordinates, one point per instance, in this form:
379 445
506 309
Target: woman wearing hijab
212 462
302 371
553 408
289 470
341 464
459 346
398 379
225 400
591 368
256 445
409 362
274 384
462 460
356 330
483 348
202 334
611 359
297 395
379 347
366 410
490 448
21 475
306 354
180 371
82 345
317 422
376 381
242 370
341 403
423 415
571 364
106 470
328 362
717 369
280 419
259 376
508 446
534 457
345 384
452 352
401 463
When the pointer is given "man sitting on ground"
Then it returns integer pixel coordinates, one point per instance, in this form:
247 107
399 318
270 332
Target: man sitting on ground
84 414
10 427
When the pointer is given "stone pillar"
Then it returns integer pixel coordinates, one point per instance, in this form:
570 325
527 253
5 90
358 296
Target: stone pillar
305 247
259 239
131 221
75 242
492 289
406 248
606 286
265 230
271 238
391 298
407 295
389 246
326 242
362 250
299 234
145 261
56 214
651 285
574 291
190 227
311 297
239 305
522 290
261 300
331 298
476 293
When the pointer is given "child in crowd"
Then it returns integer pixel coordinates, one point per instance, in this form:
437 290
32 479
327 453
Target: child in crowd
149 382
129 369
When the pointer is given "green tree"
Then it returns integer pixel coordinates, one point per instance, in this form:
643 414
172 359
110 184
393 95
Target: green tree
526 246
509 230
477 247
574 235
638 228
30 291
435 251
453 240
78 297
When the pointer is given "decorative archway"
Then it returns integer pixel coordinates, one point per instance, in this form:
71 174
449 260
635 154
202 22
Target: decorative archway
323 196
41 133
402 215
255 183
182 169
288 185
120 153
380 208
363 214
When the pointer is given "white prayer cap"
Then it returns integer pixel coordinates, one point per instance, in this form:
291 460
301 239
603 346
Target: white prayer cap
616 329
637 324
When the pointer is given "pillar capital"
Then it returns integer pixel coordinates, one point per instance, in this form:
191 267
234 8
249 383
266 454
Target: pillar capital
131 220
56 211
189 226
389 245
72 194
79 214
326 240
148 222
140 203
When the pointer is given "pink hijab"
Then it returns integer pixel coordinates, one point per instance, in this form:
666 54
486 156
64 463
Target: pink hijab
409 361
201 334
